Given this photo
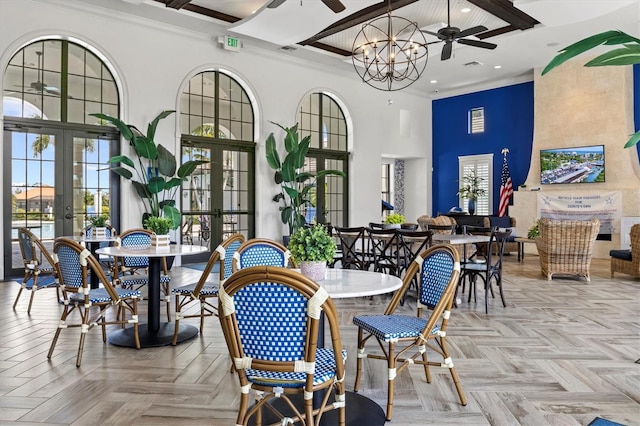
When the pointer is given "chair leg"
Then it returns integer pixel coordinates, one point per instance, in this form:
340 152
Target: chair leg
33 293
452 370
356 385
177 323
18 296
391 371
499 283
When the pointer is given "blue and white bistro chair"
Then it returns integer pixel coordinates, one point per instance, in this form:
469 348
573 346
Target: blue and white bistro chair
405 339
132 272
260 251
39 271
270 318
204 289
73 264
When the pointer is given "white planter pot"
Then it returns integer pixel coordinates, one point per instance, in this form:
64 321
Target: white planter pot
160 240
99 232
391 225
313 270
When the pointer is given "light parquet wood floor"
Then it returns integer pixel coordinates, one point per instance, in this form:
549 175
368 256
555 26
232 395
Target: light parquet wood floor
561 353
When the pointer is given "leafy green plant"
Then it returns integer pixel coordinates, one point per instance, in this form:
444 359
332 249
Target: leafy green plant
312 244
395 219
471 186
628 54
295 183
159 225
155 180
99 221
534 231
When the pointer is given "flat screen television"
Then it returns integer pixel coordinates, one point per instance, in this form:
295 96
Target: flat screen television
583 164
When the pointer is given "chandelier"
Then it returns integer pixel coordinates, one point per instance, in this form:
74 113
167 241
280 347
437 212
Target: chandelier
390 53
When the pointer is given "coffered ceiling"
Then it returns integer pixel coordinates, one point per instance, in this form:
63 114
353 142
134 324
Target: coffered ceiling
528 33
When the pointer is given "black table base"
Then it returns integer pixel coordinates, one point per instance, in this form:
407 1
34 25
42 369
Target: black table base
163 337
360 411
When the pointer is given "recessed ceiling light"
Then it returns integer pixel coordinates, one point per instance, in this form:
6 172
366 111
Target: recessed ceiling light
498 67
553 44
433 81
465 10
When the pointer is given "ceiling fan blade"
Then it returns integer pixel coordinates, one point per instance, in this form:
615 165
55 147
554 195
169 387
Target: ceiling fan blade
440 36
477 43
275 3
335 5
471 31
446 51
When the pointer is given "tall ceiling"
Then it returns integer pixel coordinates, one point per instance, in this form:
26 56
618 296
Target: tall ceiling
528 33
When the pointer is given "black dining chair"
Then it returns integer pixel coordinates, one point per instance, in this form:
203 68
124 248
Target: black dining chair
383 249
353 245
489 270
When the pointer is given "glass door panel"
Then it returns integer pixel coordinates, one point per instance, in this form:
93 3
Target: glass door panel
31 191
56 180
218 198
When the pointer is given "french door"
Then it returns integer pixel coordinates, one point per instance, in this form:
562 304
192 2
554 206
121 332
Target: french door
218 199
54 179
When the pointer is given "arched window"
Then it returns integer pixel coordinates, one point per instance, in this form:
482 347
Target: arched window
58 80
217 124
321 117
55 169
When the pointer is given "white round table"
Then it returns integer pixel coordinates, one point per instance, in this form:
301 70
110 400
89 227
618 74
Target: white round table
346 283
154 333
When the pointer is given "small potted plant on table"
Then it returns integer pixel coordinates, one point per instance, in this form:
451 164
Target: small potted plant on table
394 220
98 226
311 248
160 227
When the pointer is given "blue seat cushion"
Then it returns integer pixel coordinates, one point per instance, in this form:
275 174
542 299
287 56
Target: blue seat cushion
621 254
44 281
325 370
387 327
100 295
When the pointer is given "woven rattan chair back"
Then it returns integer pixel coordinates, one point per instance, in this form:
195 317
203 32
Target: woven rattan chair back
271 320
566 246
136 237
230 246
401 339
261 252
39 271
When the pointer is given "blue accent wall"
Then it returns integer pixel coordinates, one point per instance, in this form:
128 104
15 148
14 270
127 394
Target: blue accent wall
508 115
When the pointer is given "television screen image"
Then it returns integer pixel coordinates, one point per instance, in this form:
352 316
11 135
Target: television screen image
583 164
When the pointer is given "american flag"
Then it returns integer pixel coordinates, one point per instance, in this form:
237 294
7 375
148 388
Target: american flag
506 188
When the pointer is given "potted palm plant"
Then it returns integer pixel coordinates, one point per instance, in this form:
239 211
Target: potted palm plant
154 175
311 248
295 184
471 190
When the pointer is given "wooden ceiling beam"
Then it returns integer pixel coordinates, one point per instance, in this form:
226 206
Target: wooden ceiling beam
505 10
177 4
357 18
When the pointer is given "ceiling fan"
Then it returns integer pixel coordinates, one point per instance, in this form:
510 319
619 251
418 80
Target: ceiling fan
40 86
450 34
335 5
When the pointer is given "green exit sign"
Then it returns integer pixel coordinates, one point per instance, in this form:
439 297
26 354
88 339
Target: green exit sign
232 43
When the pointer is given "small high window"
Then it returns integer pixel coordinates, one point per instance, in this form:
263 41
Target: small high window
476 120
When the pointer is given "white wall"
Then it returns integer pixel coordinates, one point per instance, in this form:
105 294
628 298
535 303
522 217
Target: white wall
154 61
